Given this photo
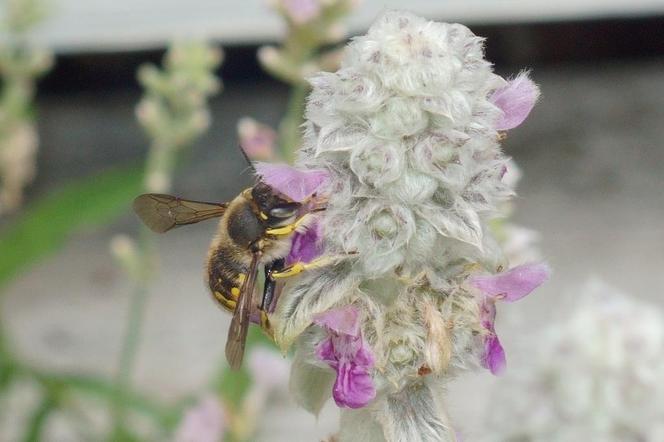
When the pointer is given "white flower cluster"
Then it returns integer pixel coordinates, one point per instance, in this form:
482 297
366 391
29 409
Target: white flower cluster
173 110
407 132
21 64
595 376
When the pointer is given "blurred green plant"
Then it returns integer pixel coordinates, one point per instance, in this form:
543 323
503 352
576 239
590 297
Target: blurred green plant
44 226
173 113
20 66
314 31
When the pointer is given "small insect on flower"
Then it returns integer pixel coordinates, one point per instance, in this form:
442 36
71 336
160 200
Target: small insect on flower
255 229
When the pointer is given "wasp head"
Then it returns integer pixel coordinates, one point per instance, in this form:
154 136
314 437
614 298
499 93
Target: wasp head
278 209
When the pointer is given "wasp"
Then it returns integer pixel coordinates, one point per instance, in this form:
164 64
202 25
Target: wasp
255 230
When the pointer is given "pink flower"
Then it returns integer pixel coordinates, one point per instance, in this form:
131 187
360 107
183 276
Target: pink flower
514 284
508 286
306 246
516 99
204 422
494 355
349 355
302 11
268 368
256 140
296 184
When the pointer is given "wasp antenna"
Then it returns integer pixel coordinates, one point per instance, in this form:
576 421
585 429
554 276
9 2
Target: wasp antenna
246 158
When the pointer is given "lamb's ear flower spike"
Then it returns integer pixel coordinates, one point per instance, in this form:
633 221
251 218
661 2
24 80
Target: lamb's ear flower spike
516 99
406 132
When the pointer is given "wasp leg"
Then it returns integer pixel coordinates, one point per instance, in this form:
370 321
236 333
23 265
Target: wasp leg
265 325
289 228
269 296
299 267
270 292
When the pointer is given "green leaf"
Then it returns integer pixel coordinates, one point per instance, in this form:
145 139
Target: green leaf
46 224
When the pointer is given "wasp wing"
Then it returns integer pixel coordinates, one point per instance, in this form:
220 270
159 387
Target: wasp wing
161 212
237 332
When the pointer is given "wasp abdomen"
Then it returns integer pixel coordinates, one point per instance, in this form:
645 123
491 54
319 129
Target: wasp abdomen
225 276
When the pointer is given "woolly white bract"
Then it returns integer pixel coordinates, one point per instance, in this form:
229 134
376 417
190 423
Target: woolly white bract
407 132
595 375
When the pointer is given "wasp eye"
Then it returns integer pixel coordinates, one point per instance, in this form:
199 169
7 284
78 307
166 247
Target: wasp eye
283 211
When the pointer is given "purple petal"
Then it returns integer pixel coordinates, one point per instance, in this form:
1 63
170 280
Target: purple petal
325 352
514 284
349 355
516 100
205 422
343 320
494 355
364 357
302 11
256 140
306 246
296 184
353 387
488 313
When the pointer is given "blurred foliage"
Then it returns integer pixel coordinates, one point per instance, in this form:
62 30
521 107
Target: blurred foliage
43 228
233 385
20 16
314 33
173 113
173 110
46 224
20 66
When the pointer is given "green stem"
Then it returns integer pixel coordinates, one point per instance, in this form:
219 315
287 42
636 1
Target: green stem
138 302
6 368
290 137
161 160
40 416
99 388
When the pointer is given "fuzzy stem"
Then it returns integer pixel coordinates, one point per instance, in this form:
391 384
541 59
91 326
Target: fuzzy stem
133 332
289 127
161 162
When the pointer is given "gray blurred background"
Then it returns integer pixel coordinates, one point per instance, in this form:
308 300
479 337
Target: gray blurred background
592 156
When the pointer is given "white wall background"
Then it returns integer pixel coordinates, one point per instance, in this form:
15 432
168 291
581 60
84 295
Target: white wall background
82 25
